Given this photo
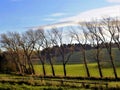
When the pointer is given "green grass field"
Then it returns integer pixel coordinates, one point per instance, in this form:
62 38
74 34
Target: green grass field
78 70
48 84
73 69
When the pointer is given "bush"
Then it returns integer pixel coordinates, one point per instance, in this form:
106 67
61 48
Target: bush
6 65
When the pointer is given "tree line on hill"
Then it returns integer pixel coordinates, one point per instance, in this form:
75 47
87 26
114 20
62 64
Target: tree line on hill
18 49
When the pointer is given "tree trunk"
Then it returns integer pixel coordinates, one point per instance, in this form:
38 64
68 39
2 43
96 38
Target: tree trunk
53 71
43 64
64 68
43 67
24 69
17 66
85 62
109 49
98 62
32 71
113 65
20 68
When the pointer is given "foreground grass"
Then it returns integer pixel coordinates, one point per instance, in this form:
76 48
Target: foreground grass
13 82
8 86
36 83
77 70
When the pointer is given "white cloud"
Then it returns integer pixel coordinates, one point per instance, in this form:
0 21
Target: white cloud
49 19
53 16
57 25
57 14
111 11
113 1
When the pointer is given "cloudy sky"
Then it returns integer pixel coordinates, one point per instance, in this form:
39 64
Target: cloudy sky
19 15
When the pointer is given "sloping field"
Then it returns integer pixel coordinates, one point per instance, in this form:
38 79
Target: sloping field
78 70
77 57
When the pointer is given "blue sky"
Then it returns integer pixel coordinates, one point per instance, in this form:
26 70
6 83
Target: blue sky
17 15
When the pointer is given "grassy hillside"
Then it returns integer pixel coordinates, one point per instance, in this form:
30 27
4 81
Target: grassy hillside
77 57
77 70
75 66
90 54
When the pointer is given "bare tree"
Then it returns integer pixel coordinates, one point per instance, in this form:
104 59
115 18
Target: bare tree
57 40
47 44
95 41
39 47
81 37
27 44
116 30
10 42
107 27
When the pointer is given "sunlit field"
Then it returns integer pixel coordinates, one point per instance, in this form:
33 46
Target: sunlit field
78 70
31 82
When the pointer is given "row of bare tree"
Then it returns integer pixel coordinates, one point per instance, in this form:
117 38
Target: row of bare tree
98 33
